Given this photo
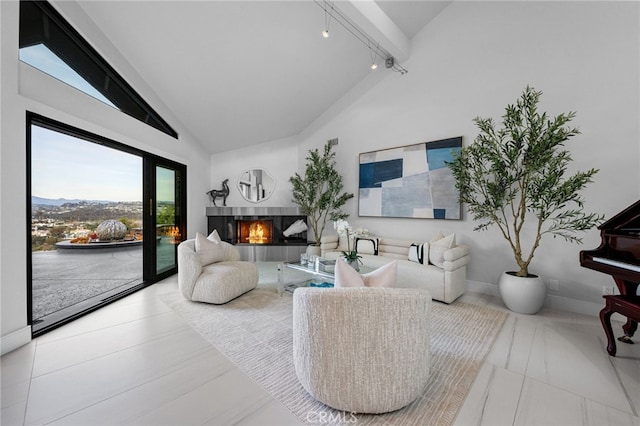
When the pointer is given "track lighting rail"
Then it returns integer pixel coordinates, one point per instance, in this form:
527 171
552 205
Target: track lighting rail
375 50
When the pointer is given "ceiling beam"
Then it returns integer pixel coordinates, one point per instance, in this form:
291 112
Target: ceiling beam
371 19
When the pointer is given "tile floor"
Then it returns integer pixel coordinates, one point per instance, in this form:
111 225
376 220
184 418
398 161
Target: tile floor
137 362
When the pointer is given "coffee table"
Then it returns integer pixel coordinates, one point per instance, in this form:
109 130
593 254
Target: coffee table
310 272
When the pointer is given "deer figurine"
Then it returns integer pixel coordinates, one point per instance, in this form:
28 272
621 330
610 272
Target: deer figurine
217 193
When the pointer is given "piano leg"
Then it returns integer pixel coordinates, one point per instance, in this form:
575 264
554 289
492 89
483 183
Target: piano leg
629 329
605 319
628 289
624 305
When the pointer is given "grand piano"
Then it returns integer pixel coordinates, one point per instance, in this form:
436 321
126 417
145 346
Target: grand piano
619 256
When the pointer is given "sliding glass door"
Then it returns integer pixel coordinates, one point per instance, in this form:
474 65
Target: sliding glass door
104 221
167 207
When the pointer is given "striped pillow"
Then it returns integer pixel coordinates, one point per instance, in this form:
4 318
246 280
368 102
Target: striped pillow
367 245
419 252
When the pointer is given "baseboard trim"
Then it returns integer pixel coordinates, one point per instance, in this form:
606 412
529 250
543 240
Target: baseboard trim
482 287
15 339
572 305
553 301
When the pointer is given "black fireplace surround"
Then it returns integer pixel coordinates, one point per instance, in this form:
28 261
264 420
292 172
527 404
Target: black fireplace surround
225 220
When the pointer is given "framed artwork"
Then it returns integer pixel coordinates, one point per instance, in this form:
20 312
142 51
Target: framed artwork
410 181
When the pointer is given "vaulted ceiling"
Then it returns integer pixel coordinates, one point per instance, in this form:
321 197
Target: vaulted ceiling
237 73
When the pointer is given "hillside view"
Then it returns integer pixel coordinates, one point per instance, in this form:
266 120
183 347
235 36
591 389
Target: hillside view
53 221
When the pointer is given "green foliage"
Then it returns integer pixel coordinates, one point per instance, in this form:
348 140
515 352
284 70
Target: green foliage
320 192
58 231
40 243
166 215
127 222
520 168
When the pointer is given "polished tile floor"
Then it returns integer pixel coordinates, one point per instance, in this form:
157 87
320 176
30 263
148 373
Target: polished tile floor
137 362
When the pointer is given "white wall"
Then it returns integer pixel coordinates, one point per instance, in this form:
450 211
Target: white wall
474 59
471 60
279 158
26 89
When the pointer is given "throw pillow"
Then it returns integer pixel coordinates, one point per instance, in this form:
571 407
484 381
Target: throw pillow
367 245
346 276
437 237
417 253
208 251
214 236
438 247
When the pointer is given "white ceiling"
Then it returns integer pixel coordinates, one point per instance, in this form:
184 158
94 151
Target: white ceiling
237 73
412 16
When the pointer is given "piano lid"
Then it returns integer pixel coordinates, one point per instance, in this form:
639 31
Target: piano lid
627 219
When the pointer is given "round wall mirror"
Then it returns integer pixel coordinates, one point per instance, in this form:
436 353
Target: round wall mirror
256 185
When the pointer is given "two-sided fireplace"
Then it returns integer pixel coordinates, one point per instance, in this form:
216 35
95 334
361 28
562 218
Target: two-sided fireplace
255 231
258 232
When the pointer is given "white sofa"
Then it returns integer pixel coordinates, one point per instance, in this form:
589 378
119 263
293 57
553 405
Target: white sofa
445 283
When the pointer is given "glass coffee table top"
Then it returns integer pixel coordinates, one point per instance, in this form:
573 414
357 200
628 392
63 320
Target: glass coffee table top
294 274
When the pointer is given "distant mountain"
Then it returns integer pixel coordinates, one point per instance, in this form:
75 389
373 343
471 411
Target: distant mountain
60 201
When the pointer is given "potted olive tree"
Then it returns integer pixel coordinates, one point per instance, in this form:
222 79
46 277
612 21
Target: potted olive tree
320 192
515 175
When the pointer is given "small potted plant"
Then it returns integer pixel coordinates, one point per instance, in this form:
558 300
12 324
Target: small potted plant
320 192
351 254
514 175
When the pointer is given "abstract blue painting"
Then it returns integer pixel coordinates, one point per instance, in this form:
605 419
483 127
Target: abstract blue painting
410 181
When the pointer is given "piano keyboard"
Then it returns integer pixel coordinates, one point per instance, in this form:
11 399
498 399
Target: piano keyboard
617 263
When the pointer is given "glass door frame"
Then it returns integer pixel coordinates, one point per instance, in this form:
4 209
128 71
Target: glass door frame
149 163
149 212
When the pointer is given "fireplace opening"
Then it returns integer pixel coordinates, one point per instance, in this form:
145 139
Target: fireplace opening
255 231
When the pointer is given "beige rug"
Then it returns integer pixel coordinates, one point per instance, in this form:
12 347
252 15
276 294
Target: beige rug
254 331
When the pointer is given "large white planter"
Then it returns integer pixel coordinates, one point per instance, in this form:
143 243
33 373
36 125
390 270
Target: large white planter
524 295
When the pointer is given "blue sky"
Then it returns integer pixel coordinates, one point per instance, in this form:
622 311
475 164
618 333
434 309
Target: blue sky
66 167
165 184
41 57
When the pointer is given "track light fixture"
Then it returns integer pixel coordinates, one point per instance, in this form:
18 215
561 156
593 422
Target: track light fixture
373 53
389 62
327 19
330 12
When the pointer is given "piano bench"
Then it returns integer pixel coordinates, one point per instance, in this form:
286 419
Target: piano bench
628 306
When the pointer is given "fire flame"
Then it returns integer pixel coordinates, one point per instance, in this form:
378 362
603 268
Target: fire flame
174 232
256 233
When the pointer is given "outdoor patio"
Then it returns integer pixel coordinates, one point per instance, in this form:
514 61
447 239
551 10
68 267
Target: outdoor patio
67 278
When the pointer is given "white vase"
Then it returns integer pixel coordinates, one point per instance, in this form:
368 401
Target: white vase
524 295
314 250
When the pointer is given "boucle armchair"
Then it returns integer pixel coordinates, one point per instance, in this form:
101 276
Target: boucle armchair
217 282
362 349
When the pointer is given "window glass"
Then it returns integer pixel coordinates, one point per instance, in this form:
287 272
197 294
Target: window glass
40 57
50 44
106 220
86 225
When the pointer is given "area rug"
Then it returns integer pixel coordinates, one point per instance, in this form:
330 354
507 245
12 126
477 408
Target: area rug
255 332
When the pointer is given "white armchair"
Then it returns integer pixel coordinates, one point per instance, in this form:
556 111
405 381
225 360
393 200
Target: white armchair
362 350
215 283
